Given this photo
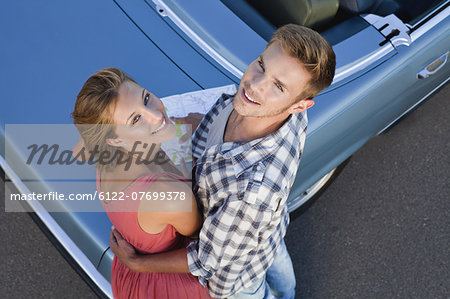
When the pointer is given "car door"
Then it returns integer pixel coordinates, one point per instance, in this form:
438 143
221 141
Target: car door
423 51
372 89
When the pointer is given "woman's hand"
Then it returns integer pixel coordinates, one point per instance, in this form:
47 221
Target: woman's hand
124 251
192 119
186 173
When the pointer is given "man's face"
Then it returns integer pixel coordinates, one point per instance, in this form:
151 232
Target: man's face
271 84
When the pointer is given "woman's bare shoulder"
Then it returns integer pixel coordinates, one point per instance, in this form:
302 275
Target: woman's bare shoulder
167 201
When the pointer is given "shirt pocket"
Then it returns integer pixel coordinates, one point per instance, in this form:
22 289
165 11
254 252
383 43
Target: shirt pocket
263 190
255 176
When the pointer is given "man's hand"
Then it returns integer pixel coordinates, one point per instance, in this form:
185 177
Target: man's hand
124 251
174 261
192 119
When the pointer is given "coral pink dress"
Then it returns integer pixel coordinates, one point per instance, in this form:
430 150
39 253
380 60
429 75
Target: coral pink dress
128 284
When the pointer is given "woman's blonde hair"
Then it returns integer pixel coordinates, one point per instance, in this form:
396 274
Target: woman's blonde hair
94 110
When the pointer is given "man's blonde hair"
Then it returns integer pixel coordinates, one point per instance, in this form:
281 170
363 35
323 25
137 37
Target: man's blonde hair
313 51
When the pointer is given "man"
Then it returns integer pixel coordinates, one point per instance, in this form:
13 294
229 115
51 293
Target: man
248 149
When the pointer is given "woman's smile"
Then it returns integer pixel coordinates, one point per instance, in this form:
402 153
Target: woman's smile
163 125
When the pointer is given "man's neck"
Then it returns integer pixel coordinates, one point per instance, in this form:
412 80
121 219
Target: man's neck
247 128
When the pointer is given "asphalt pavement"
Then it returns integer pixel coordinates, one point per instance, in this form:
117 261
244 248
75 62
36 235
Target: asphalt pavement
381 230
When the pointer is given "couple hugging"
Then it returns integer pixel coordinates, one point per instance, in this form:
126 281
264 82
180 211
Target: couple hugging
226 239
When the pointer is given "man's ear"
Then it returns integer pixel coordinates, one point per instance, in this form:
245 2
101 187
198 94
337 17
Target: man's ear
115 142
301 106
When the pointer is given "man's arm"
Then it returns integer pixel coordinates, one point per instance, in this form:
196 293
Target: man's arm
226 239
239 233
174 261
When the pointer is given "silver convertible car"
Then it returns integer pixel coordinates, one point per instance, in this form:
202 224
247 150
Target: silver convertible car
391 55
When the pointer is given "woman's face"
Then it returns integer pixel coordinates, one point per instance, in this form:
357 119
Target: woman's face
140 117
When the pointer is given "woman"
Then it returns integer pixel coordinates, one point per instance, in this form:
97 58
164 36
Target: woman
126 125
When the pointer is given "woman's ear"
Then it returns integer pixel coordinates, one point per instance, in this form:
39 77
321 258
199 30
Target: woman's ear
115 142
77 148
301 106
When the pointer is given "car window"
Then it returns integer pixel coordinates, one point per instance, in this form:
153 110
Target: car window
413 13
427 13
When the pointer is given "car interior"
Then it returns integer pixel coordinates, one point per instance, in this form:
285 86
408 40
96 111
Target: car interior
335 19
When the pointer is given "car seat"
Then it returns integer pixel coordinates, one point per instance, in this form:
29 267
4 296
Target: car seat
378 7
310 13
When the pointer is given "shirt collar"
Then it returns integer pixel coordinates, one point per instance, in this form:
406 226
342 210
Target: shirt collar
246 154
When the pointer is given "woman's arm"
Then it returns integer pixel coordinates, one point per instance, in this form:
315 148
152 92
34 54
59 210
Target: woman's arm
153 216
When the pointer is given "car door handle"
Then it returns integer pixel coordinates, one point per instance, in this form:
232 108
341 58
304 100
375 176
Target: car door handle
433 67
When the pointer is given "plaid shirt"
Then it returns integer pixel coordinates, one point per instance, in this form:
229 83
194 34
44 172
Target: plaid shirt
243 188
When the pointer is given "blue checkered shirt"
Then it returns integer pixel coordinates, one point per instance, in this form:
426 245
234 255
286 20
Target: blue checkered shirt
242 188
